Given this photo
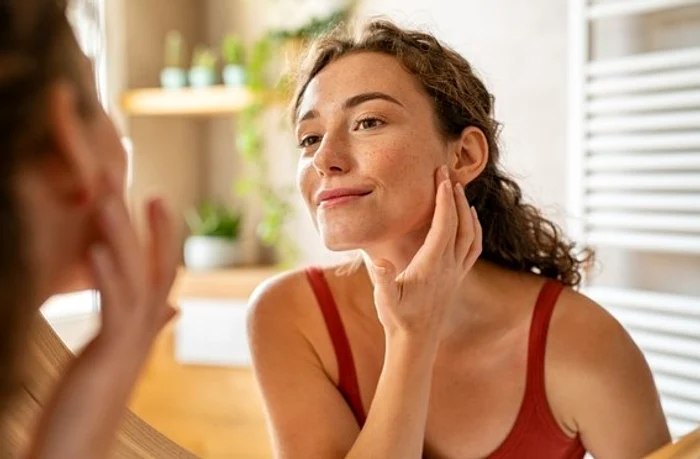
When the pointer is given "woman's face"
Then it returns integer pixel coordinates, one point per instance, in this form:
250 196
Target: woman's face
99 146
102 136
370 146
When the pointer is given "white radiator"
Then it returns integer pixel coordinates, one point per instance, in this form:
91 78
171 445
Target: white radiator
638 138
634 184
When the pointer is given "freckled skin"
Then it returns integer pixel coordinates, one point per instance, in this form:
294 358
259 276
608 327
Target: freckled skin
396 159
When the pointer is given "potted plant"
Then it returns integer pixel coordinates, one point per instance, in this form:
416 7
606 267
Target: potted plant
214 233
232 51
203 69
173 75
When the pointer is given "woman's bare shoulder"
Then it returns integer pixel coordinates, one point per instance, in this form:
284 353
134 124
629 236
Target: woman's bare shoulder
593 362
585 329
587 341
287 297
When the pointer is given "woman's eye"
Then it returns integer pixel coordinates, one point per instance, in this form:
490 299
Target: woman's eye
308 141
369 123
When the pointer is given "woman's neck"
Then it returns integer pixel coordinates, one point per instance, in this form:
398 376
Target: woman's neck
400 251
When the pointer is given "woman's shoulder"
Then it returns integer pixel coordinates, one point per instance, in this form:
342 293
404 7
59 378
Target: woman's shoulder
586 330
588 341
285 321
592 359
287 296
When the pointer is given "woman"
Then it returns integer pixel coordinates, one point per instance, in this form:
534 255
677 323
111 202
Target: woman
63 215
460 335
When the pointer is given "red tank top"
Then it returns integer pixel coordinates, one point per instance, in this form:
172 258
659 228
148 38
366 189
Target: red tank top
535 432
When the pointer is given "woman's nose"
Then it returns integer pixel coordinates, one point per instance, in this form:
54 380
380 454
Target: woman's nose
332 156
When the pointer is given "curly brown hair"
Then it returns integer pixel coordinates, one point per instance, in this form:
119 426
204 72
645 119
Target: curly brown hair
37 48
516 234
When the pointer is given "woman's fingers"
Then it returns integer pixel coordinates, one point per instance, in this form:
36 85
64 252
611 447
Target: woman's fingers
122 241
441 234
162 247
107 279
477 242
167 314
465 229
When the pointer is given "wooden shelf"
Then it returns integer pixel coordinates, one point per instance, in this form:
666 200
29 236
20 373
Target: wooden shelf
216 100
236 282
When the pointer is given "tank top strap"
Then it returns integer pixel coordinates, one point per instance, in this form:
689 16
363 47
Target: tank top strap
537 343
347 375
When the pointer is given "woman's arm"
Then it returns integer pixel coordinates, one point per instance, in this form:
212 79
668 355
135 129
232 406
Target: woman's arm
87 406
623 417
395 425
605 383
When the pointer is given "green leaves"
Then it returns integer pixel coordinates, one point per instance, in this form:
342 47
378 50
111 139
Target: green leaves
275 212
275 207
258 61
174 48
204 57
212 219
316 26
232 50
249 144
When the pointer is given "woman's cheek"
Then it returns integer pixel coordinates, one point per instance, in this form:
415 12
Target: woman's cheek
306 180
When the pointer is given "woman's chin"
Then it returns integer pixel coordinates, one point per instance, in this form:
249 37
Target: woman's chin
355 236
343 242
344 246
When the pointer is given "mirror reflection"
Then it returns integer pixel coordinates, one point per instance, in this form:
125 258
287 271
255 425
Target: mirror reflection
350 229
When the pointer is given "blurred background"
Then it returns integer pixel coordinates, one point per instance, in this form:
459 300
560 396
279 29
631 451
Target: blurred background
600 105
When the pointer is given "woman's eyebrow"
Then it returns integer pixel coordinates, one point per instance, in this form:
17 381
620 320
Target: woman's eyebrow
354 101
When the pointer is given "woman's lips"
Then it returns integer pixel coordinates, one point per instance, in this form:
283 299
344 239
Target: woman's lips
339 196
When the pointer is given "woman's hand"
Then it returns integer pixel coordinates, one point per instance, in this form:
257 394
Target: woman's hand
134 282
415 301
83 415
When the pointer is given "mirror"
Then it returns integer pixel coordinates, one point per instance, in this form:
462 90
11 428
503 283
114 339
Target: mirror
600 108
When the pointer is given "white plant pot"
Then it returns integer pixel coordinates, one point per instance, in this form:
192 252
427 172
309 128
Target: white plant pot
173 78
234 76
210 252
202 77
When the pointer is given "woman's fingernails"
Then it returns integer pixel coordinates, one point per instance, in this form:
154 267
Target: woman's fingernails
446 185
108 210
444 173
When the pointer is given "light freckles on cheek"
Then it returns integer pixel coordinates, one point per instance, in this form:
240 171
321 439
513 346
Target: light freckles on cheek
405 163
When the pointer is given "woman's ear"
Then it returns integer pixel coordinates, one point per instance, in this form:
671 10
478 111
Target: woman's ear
75 168
470 155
